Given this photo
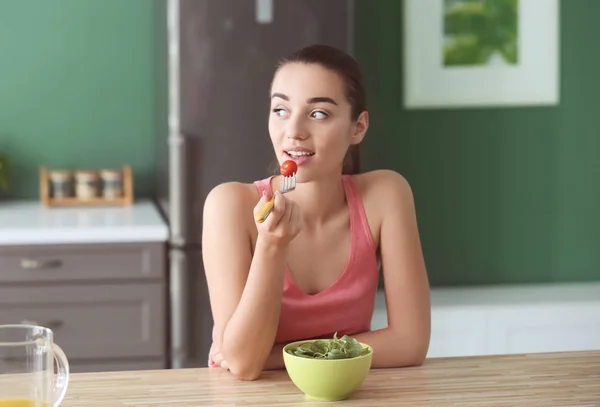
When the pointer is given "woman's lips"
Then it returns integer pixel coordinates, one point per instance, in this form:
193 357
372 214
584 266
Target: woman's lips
299 158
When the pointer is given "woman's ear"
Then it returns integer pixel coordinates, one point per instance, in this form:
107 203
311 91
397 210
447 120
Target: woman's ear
360 128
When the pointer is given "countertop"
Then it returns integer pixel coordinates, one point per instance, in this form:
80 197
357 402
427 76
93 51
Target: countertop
558 379
31 223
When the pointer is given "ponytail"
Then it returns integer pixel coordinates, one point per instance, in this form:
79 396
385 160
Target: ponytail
352 160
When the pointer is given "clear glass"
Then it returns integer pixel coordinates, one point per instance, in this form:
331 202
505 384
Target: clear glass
28 356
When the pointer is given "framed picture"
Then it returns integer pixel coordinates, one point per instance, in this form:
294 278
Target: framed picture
481 53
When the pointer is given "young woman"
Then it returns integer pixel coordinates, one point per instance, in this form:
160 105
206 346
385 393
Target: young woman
311 269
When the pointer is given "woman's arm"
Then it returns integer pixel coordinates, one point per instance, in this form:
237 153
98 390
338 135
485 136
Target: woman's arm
406 339
245 289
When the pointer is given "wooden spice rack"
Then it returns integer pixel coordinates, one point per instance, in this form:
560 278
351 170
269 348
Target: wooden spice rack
125 200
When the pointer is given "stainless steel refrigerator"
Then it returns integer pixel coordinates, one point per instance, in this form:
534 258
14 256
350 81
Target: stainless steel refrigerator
221 58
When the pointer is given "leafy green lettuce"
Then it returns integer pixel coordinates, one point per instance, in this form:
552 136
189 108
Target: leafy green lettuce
336 348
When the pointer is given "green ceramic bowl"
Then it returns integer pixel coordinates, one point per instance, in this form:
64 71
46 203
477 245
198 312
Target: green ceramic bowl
327 379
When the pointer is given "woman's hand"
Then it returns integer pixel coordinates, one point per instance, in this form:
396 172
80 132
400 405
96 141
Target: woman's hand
215 358
283 223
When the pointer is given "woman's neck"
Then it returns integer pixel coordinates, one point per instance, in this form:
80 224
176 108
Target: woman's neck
318 200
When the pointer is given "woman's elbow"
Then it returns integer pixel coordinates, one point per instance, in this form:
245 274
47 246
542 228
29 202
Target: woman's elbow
418 358
419 353
413 353
245 371
242 364
413 359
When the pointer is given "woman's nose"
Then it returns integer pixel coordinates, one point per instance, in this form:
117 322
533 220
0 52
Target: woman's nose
296 130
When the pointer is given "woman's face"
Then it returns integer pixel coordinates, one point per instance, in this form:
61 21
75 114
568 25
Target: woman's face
310 120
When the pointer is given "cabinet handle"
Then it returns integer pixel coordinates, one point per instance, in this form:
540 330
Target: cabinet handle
28 264
50 324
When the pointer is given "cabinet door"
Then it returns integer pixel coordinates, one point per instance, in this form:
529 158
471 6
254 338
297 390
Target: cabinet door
93 321
545 328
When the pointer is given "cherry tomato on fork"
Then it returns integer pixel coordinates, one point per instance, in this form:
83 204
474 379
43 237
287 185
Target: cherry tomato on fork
288 168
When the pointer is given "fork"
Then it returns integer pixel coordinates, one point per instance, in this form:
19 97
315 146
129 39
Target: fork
288 184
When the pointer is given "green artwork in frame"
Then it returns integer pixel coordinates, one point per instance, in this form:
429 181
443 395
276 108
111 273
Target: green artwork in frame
480 53
480 32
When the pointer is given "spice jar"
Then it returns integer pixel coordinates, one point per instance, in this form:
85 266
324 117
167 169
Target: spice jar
87 184
61 184
112 184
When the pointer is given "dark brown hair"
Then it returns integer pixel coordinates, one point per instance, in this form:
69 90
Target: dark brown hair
349 71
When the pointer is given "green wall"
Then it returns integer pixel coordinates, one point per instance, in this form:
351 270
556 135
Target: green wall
77 87
503 195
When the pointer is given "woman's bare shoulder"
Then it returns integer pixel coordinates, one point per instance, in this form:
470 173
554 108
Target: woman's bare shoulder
381 184
231 198
384 193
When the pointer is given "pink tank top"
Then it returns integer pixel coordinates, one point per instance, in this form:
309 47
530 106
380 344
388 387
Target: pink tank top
345 307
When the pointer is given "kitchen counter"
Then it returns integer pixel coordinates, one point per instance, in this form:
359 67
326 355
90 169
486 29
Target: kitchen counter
558 379
30 223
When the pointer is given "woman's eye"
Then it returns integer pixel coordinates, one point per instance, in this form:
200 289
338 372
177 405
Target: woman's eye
279 112
319 115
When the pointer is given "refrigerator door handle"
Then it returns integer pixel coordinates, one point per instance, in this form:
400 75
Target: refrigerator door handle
177 141
179 310
177 190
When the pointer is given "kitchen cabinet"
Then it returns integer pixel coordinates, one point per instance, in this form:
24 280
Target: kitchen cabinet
512 319
100 285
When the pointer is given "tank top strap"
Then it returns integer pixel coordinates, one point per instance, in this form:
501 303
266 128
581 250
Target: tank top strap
264 185
358 217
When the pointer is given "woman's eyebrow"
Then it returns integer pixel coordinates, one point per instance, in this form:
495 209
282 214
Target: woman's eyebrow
280 95
322 99
318 99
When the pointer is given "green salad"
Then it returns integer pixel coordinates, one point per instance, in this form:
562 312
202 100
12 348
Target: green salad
336 348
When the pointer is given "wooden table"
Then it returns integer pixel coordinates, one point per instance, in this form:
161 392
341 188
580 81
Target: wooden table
559 379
